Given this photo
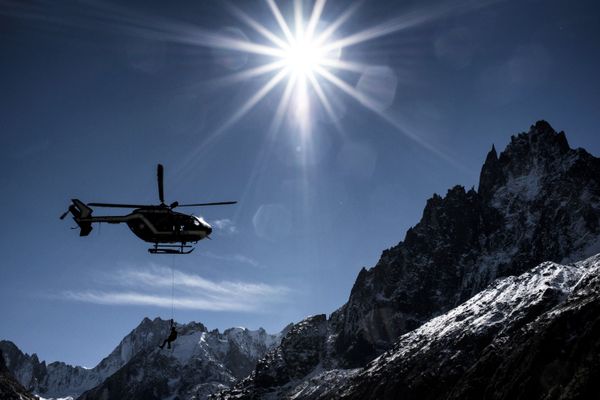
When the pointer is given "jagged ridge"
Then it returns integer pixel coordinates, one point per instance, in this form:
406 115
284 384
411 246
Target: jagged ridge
535 336
200 363
58 379
10 388
538 201
224 358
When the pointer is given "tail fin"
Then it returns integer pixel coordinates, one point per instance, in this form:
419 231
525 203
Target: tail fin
80 211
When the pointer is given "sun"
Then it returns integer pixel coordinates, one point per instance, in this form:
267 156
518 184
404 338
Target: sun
304 57
305 66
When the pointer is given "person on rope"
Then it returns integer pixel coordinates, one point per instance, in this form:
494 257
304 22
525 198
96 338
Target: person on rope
171 338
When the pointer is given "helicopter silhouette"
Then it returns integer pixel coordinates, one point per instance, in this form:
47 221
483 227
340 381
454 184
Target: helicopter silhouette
157 224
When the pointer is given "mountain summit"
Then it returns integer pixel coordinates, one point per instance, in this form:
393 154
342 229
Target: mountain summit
529 154
58 379
199 363
539 200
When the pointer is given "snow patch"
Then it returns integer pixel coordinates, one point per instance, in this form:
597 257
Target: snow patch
502 301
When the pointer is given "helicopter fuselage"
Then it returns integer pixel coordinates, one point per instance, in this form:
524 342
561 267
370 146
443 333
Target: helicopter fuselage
163 225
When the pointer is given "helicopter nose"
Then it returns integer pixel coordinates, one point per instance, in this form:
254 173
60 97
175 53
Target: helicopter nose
208 230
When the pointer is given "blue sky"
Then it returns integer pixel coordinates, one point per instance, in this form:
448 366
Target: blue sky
95 94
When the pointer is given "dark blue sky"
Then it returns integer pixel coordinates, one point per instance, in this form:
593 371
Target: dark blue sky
95 94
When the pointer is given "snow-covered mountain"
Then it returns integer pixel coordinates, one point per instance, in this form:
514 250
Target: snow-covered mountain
199 361
534 336
538 201
58 379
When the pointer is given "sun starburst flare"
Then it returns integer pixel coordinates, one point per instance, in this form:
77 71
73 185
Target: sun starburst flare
297 55
305 55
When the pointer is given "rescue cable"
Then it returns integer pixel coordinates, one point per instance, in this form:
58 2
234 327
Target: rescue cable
172 287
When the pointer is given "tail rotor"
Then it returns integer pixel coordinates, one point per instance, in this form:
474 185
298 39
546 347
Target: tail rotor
80 212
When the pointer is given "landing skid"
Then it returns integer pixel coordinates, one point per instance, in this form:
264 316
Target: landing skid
170 249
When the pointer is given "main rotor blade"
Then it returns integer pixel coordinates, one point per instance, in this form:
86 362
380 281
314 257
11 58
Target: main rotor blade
117 205
159 175
220 203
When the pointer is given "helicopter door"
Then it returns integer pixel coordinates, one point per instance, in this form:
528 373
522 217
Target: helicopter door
177 229
178 226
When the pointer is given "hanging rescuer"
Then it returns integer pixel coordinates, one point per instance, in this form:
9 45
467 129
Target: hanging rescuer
173 333
171 338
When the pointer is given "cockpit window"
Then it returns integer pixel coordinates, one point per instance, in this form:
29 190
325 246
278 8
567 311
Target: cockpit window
196 222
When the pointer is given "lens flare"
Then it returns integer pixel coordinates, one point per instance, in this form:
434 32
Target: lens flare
299 53
306 56
303 57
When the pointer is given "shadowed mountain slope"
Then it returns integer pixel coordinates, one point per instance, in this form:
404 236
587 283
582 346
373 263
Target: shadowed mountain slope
10 388
539 200
535 336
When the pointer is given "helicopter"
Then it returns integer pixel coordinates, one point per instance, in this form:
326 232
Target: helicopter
170 231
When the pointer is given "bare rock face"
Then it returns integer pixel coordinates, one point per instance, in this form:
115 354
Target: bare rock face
302 348
535 336
10 388
299 353
539 200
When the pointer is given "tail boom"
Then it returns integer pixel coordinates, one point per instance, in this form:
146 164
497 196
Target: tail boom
82 215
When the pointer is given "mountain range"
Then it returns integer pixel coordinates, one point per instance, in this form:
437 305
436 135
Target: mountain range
199 363
486 297
538 201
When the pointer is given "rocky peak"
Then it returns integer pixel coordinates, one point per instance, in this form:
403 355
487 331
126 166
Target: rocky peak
26 368
299 353
541 140
10 388
199 363
436 204
445 212
58 379
536 152
148 334
491 174
538 200
303 348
